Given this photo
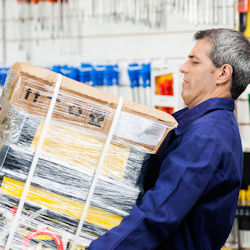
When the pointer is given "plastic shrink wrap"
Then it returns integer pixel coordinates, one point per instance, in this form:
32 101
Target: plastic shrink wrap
68 159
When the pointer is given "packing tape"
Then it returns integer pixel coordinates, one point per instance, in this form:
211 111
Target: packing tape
98 171
14 224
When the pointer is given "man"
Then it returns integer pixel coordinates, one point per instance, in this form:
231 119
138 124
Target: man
193 201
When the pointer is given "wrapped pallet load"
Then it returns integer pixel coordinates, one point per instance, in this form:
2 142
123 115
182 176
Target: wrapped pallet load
72 159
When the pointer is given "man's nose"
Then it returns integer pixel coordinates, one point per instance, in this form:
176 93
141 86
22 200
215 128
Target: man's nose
183 68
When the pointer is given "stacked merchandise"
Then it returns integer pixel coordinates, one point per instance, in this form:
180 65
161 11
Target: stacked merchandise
69 159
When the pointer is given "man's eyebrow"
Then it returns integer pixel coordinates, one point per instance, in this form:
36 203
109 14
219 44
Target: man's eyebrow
193 57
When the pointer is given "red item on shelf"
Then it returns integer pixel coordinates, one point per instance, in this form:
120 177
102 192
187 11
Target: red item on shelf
243 6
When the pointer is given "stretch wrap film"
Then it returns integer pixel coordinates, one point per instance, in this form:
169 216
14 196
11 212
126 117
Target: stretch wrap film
67 164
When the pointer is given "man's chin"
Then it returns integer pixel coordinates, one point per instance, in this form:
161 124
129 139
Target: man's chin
185 99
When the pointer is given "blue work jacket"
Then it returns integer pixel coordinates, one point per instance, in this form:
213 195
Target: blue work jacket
193 201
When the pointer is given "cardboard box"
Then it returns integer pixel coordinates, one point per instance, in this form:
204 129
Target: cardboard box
81 104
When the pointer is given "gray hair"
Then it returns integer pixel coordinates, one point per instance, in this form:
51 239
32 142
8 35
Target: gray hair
233 48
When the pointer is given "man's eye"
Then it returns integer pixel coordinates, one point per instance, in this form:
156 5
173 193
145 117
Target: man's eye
194 62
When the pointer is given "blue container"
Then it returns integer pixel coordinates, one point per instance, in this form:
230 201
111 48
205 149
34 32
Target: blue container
134 74
56 68
85 72
3 75
109 75
97 75
145 75
116 75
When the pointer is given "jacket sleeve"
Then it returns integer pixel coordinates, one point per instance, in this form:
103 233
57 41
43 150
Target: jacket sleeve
184 174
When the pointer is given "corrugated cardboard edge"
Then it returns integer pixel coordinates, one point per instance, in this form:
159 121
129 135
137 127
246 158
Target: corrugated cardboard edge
82 90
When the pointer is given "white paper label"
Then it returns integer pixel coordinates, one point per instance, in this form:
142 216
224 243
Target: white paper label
139 129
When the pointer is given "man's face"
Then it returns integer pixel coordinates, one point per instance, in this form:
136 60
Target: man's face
199 81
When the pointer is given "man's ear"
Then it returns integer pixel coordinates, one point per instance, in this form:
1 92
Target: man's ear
224 74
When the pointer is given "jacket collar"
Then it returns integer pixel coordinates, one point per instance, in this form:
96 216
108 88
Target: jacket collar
185 116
